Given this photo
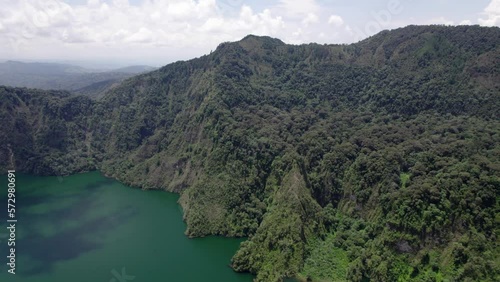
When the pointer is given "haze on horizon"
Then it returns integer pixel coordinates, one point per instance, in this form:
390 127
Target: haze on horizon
153 32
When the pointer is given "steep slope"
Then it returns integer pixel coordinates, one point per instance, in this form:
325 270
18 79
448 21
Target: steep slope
44 132
373 161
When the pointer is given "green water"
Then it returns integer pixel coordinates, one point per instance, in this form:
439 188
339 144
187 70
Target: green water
88 228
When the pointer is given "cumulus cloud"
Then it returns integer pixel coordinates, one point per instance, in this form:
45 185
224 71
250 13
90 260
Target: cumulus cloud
335 20
180 28
440 20
465 22
298 8
117 21
492 14
143 35
310 18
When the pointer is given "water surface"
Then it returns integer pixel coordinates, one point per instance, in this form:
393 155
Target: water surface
88 228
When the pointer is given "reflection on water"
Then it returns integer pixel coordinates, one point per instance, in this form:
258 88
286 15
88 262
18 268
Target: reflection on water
90 228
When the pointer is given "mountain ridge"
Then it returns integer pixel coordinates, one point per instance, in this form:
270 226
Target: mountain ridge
382 151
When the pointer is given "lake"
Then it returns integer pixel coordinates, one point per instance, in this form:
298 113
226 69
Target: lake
89 228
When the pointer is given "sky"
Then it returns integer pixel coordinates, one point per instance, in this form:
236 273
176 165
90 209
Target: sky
154 32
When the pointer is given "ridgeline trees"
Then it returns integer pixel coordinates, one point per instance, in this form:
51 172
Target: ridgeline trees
375 161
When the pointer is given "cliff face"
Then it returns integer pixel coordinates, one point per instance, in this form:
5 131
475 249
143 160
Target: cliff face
44 132
373 160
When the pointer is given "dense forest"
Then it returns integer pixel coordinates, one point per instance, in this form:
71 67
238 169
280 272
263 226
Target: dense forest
375 161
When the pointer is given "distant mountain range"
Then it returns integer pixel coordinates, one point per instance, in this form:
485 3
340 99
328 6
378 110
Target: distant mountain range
73 78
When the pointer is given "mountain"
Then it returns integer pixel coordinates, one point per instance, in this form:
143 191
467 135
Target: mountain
135 69
75 79
375 161
39 68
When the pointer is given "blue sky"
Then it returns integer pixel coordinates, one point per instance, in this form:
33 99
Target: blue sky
158 32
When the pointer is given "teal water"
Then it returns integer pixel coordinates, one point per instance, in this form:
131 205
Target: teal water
88 228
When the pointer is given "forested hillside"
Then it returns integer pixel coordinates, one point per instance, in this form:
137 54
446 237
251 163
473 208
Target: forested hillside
375 161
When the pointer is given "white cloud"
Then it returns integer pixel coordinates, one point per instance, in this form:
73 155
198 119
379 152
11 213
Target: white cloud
144 35
465 22
298 8
440 20
116 22
335 20
298 33
183 29
93 3
310 18
213 25
492 13
78 35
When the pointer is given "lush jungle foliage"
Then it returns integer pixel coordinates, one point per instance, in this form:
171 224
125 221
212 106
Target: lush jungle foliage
376 161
